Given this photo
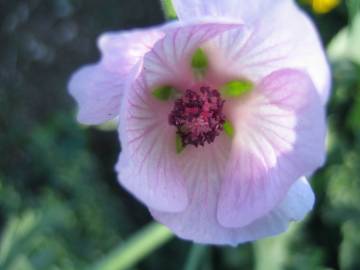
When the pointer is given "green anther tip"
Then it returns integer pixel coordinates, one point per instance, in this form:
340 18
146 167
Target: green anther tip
179 144
199 60
237 88
164 93
229 129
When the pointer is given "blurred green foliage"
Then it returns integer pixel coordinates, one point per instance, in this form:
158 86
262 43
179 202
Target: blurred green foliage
60 204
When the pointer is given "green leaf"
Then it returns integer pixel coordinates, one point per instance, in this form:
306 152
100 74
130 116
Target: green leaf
350 245
14 238
169 10
229 129
179 144
199 60
353 8
164 93
344 46
271 253
236 88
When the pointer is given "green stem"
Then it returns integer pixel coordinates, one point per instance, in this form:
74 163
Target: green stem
196 255
136 248
168 9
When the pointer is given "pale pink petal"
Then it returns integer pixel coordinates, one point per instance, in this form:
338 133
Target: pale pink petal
98 93
148 166
278 35
241 10
203 169
121 50
280 136
169 62
98 88
299 200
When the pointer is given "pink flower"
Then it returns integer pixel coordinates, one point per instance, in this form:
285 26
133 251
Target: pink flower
221 115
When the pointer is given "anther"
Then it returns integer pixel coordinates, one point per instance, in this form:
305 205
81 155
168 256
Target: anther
198 116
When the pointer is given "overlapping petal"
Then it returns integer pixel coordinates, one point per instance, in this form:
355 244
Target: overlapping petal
199 222
277 35
148 165
280 134
241 10
98 93
169 62
99 88
122 50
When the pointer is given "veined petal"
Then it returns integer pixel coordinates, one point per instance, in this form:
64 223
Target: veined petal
278 35
98 88
149 164
241 10
169 62
121 50
98 93
199 223
279 137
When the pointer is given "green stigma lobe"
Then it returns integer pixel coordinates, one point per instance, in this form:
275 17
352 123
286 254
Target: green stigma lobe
237 88
179 144
164 93
199 60
229 129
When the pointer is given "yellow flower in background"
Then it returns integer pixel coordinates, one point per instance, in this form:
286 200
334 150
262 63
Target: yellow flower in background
323 6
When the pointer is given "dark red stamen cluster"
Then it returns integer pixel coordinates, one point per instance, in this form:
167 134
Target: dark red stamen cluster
198 116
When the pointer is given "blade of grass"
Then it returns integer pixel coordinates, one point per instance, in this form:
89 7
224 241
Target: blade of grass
136 248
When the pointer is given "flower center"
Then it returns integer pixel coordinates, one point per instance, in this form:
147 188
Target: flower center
198 116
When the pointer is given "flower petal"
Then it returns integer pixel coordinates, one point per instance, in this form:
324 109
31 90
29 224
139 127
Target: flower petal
199 222
240 10
123 49
98 93
279 137
98 88
149 166
299 200
278 35
169 62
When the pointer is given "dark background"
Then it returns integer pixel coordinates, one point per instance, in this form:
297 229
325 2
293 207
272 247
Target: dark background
60 204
